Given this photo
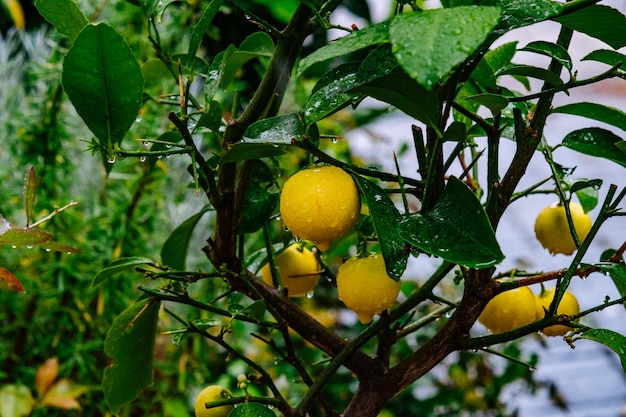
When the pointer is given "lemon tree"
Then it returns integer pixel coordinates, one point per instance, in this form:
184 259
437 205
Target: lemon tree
320 204
298 268
243 94
567 306
553 231
364 286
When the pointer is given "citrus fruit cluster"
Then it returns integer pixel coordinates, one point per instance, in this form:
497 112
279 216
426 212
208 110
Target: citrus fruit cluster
210 394
519 307
552 229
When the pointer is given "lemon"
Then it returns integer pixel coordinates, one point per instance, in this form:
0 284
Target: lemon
552 229
320 204
298 268
568 306
364 286
509 310
210 394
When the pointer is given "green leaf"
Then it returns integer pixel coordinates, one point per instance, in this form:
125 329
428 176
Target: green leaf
254 311
401 91
518 13
104 82
595 111
595 141
244 151
211 118
357 40
279 130
606 56
456 229
201 27
428 48
251 410
119 265
330 94
16 400
533 72
386 218
130 345
587 193
501 56
24 237
613 340
493 102
259 204
30 189
601 22
551 50
163 144
174 250
257 45
64 15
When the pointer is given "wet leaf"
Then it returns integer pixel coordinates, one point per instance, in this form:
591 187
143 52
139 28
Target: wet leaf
330 94
519 13
587 193
551 50
244 151
251 410
493 102
617 272
386 218
613 340
533 72
57 247
428 47
30 189
255 311
104 83
130 346
201 28
595 141
9 282
46 375
65 16
119 265
257 45
357 40
279 130
605 114
174 250
606 56
456 229
24 237
259 204
601 22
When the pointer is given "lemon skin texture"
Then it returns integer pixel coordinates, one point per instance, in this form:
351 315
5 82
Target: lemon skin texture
552 229
568 306
209 394
298 268
364 286
509 310
320 204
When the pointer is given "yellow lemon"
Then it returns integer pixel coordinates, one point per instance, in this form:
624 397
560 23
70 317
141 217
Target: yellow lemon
509 310
568 306
364 286
320 204
299 270
552 229
210 394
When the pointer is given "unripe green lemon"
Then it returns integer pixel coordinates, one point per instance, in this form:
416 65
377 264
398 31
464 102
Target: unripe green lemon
552 229
320 204
364 286
299 270
568 306
509 310
210 394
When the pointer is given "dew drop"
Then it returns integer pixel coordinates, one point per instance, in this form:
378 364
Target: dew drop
168 146
146 143
29 246
14 247
160 156
143 158
532 368
138 119
286 228
111 160
297 239
309 294
48 249
335 140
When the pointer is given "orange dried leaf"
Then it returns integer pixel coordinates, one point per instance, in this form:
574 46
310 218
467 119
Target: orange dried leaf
63 394
46 374
9 282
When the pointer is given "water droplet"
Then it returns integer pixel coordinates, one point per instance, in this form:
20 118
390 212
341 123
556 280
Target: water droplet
143 158
160 156
146 143
457 30
335 140
111 160
168 146
448 314
138 119
14 247
48 249
532 368
29 246
286 228
297 239
309 294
